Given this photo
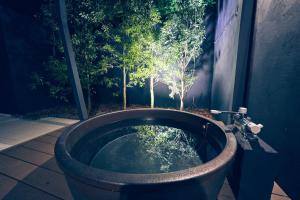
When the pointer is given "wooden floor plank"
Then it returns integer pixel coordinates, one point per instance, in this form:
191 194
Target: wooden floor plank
11 189
40 146
15 168
28 155
49 181
46 180
34 157
226 192
52 164
58 132
277 190
47 139
279 197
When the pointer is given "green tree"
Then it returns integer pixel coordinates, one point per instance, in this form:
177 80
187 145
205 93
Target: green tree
118 49
149 61
183 33
129 32
85 18
145 40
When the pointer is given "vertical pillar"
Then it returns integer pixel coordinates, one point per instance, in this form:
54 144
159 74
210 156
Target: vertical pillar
70 58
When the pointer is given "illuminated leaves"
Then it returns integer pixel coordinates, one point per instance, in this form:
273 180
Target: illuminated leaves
151 39
182 35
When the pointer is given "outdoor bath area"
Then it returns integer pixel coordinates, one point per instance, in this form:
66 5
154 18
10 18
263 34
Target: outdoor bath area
149 100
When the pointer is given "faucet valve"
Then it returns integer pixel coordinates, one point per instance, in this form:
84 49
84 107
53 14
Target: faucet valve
254 128
243 110
243 123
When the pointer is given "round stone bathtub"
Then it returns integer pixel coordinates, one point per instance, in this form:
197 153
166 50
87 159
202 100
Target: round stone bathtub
145 154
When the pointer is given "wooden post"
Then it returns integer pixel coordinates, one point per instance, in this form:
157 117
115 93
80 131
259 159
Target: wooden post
70 58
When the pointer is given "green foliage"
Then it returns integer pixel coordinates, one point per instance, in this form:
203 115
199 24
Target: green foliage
58 70
85 18
183 34
148 47
169 51
151 39
127 41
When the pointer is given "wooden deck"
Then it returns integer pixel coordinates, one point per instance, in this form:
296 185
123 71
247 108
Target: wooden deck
29 171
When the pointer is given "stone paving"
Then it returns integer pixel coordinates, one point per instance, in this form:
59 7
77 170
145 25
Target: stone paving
14 130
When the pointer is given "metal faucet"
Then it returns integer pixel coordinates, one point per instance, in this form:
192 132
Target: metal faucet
242 123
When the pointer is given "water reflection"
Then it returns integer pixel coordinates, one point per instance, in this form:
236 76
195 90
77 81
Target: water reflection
168 144
149 149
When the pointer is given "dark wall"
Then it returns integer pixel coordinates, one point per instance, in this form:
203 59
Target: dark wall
23 51
226 49
263 75
274 84
6 95
232 44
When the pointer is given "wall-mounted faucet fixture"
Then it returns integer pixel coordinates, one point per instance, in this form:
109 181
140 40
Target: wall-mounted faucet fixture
242 123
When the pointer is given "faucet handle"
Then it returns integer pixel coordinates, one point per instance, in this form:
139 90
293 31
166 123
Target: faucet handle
254 128
243 110
260 125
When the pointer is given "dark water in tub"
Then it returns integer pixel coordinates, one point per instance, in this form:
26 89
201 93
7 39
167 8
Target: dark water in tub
152 149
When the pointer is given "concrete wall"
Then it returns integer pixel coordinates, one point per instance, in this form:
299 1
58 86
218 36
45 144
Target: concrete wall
226 47
274 84
263 75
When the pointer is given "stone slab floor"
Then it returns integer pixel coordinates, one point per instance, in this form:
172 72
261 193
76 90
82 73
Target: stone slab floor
15 130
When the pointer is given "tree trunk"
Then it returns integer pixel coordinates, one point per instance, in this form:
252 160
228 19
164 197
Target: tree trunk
89 99
124 87
182 89
89 94
182 97
152 92
53 47
181 104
